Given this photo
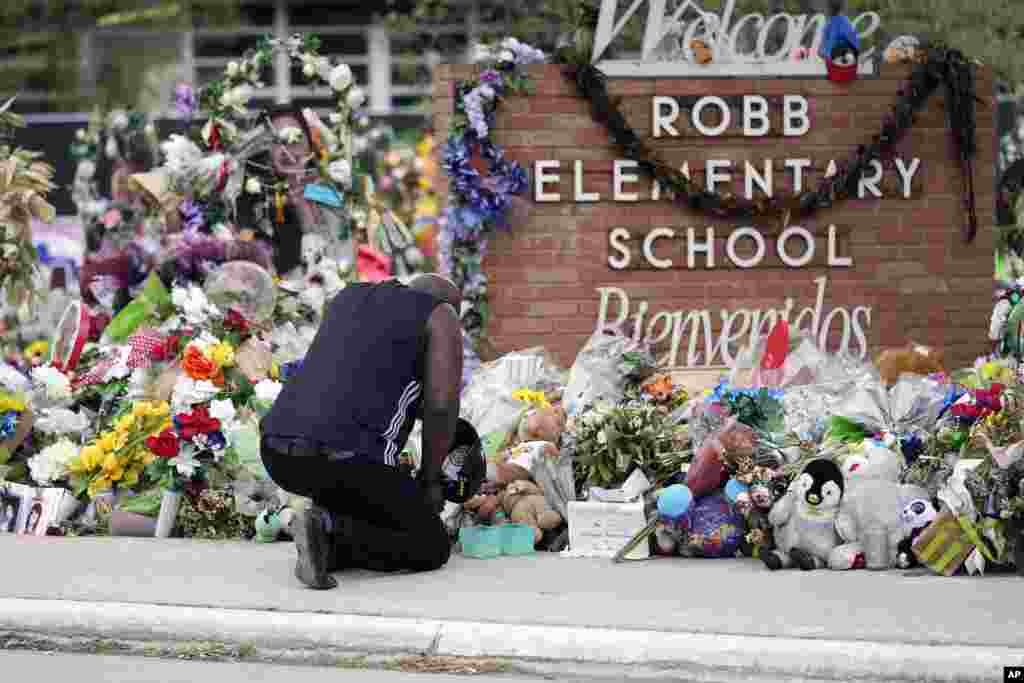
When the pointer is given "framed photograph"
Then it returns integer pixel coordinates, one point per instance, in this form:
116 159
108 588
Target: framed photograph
10 507
35 518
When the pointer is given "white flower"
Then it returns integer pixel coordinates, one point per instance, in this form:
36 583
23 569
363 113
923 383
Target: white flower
356 98
507 56
193 304
80 134
12 380
188 392
253 186
340 78
233 69
223 410
181 155
334 118
86 170
1000 315
480 53
118 119
323 68
111 149
61 421
52 382
150 130
186 463
340 172
237 97
267 390
290 135
309 69
487 91
50 465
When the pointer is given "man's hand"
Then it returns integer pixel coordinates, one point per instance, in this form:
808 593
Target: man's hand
433 491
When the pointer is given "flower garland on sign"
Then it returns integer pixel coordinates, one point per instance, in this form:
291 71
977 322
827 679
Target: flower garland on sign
478 204
934 66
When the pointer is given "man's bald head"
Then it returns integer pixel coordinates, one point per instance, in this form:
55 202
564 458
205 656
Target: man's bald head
438 287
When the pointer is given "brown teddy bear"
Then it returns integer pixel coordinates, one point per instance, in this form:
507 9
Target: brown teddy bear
524 503
914 359
542 424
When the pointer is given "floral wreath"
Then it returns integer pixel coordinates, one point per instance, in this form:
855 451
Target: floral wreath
224 133
477 205
115 133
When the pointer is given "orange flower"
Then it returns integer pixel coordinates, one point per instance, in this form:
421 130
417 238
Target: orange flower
659 388
199 367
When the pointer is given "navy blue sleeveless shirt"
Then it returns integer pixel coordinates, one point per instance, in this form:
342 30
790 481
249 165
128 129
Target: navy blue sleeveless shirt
360 386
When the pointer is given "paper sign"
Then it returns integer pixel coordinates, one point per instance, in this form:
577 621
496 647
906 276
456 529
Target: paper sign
603 529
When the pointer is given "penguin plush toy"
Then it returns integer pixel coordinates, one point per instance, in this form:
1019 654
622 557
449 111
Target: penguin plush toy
804 519
840 46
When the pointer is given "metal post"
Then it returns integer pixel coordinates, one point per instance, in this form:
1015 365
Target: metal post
282 62
379 69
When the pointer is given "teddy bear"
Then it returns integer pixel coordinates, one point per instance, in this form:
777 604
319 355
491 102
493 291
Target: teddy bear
803 521
542 424
870 522
914 359
524 503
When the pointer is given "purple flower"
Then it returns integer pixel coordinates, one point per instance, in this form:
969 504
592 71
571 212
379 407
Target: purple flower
491 77
192 216
185 100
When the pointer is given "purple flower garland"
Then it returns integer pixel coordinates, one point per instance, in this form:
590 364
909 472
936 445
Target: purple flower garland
477 204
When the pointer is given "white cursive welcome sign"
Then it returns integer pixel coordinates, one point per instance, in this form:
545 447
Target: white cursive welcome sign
721 33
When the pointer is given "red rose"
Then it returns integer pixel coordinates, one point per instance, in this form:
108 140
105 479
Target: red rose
165 445
194 423
236 321
170 348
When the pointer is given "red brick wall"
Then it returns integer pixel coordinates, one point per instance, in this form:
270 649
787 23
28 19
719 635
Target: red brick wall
910 263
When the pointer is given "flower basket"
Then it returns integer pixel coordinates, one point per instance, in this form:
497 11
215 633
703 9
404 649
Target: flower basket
165 520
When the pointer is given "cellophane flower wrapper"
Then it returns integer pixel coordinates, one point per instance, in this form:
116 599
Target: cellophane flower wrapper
913 405
603 368
487 401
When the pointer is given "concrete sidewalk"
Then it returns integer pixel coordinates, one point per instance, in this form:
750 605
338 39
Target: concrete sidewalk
687 615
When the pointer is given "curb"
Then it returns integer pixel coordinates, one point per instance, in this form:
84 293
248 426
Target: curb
791 657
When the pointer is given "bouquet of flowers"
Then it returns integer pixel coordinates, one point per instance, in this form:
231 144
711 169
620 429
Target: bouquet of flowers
188 447
119 456
609 440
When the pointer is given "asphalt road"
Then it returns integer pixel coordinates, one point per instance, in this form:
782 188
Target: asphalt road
54 666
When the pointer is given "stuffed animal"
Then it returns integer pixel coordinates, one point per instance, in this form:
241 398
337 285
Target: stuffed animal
524 503
803 520
268 526
914 359
915 517
542 424
484 506
871 524
874 461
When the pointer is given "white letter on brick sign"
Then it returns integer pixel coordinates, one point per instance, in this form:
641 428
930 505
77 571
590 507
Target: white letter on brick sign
708 247
834 259
765 182
796 109
619 178
616 240
540 178
872 182
729 336
808 254
602 313
907 174
663 122
698 109
580 195
648 248
758 114
736 236
798 166
714 174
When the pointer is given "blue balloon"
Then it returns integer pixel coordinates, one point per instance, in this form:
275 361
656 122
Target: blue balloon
733 490
674 501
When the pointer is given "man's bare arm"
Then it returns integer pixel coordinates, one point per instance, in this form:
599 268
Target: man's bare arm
442 382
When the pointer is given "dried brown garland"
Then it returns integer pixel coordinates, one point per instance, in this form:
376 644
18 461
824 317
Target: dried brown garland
937 65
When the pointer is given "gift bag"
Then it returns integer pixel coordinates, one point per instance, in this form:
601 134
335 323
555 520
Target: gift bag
943 546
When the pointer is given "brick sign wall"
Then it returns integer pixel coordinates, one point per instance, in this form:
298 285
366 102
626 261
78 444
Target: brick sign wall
910 275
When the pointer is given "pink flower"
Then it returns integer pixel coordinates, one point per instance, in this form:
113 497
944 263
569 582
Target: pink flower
112 218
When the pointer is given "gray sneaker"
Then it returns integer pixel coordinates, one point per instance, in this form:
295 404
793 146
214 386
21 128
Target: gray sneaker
313 545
